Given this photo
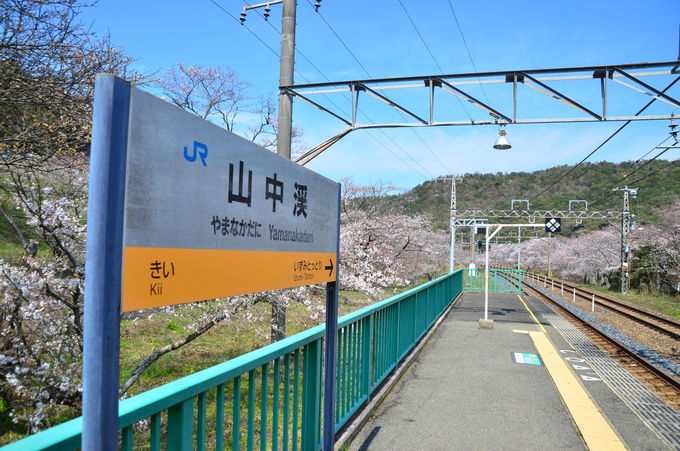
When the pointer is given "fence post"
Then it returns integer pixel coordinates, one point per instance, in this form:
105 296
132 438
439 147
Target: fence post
397 336
367 364
562 289
311 396
180 435
573 297
520 281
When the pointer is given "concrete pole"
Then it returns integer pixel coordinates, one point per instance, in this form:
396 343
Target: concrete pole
287 69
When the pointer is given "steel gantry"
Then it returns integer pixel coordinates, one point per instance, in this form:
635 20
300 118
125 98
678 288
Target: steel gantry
626 223
533 214
596 109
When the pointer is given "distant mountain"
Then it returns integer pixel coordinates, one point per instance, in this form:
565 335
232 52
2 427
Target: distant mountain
592 182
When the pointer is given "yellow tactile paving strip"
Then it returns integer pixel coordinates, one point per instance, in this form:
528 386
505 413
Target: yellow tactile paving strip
596 431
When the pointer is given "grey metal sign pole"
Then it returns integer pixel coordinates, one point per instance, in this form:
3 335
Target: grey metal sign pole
331 351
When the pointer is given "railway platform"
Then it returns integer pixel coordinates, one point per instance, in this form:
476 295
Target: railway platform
532 382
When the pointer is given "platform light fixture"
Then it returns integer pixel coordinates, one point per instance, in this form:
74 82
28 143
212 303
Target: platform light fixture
502 142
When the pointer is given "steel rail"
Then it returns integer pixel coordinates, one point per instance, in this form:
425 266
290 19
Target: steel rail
669 380
616 306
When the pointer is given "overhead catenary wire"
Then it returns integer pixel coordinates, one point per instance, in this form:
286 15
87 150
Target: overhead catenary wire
646 162
651 150
635 182
467 49
427 47
625 124
246 27
413 24
318 70
337 35
330 27
298 51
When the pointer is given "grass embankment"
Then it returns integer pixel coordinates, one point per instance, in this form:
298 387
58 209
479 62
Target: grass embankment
242 333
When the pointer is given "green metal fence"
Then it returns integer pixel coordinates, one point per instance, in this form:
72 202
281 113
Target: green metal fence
271 398
500 280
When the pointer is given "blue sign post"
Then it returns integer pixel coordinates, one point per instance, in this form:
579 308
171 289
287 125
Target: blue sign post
103 264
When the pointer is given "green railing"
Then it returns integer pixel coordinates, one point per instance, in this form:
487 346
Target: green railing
271 398
500 280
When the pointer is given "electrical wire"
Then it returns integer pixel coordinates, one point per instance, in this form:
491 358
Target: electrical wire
297 50
337 35
330 100
467 49
625 124
340 39
646 162
246 27
635 182
441 71
651 150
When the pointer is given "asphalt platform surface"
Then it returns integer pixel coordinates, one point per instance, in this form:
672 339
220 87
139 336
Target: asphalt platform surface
467 391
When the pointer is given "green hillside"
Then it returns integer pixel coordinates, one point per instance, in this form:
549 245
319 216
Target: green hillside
592 182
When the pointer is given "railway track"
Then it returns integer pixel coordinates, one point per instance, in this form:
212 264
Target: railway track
660 324
664 385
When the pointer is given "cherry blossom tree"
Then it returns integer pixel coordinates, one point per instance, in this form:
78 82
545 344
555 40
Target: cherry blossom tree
656 257
382 247
218 94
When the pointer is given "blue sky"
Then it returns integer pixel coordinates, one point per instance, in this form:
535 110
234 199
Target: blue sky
500 35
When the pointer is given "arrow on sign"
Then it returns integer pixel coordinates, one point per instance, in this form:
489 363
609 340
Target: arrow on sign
330 268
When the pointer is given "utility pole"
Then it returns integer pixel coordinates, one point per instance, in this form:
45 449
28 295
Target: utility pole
625 236
286 68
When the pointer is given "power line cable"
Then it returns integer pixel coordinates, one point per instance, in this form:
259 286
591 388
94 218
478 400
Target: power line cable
340 39
330 100
646 162
635 182
337 35
651 150
467 49
441 71
603 143
297 50
246 27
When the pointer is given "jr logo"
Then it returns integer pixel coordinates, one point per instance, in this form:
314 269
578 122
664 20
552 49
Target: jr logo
200 150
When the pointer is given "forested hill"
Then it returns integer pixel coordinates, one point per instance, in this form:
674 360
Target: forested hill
592 182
